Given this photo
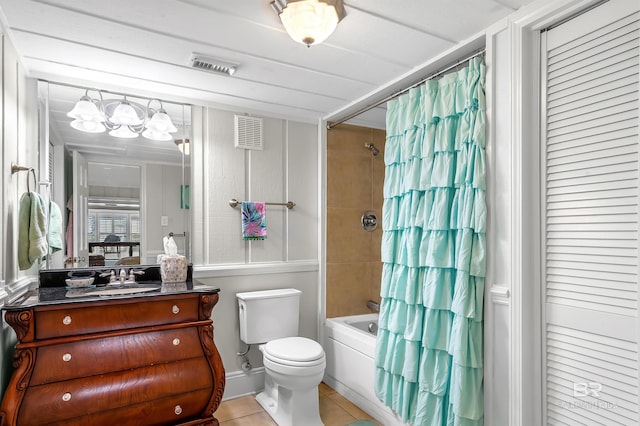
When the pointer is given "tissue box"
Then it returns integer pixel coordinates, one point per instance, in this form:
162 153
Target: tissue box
173 268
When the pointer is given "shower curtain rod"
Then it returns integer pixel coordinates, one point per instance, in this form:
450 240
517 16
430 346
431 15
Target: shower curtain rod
406 89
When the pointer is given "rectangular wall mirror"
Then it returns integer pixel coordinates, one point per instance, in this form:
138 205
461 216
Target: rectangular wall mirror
119 168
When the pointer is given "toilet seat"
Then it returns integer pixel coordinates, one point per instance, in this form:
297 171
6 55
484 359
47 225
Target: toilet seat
294 351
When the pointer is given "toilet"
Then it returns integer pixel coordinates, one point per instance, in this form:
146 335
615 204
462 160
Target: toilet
294 366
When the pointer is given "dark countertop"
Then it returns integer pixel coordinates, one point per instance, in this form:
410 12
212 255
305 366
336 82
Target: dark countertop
53 290
55 295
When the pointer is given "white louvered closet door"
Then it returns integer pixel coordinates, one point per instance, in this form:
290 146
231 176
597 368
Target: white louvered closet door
591 218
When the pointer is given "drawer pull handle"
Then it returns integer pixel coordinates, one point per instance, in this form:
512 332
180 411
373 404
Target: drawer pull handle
66 320
176 341
66 397
175 309
66 357
177 410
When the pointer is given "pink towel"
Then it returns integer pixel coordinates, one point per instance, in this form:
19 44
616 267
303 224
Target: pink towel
254 221
69 235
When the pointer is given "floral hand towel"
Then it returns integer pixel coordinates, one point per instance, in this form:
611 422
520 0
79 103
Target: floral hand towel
254 221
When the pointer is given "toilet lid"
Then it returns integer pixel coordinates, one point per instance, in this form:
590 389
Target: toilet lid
294 349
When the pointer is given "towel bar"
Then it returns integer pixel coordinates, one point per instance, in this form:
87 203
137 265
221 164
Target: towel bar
16 168
234 203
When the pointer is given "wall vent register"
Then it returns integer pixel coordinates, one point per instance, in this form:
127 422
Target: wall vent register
248 132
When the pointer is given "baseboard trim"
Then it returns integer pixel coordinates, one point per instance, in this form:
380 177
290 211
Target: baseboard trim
241 384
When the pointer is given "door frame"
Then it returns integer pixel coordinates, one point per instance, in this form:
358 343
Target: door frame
80 209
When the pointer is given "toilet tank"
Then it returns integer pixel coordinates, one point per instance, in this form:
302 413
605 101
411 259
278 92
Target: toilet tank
268 315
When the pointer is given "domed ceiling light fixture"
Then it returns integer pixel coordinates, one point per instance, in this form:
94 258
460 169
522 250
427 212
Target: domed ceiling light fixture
123 118
309 22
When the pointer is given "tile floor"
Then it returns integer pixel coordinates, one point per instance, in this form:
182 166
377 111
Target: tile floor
335 410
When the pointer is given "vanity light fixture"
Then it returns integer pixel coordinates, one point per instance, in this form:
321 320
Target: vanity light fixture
183 145
309 21
123 118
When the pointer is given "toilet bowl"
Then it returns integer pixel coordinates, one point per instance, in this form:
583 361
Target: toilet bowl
294 366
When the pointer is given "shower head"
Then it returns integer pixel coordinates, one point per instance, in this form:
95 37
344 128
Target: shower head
372 148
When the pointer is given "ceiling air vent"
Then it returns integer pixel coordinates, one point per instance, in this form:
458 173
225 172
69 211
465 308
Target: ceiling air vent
209 64
248 132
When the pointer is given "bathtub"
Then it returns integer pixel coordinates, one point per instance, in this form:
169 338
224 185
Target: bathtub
350 349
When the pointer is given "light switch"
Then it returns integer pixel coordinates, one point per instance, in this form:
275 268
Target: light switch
164 220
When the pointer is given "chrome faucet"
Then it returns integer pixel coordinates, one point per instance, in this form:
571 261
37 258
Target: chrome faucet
132 275
111 274
122 276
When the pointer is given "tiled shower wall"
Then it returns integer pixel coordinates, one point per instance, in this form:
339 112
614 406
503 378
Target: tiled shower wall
354 185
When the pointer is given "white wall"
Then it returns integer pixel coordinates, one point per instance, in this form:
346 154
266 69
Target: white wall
20 145
287 169
161 197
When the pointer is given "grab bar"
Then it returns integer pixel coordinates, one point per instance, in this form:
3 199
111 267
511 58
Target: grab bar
374 306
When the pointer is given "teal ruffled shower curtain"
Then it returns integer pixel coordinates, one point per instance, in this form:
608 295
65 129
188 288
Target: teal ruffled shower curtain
429 348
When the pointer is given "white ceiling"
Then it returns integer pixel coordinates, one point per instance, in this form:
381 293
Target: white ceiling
144 46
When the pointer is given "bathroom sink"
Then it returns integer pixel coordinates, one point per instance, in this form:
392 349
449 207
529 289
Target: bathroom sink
111 290
118 290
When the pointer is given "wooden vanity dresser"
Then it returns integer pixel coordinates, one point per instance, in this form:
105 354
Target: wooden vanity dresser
145 358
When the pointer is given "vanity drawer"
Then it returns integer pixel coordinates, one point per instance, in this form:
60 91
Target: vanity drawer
165 411
60 401
67 320
103 355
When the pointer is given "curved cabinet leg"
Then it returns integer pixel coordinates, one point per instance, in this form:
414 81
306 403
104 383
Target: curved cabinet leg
217 369
23 362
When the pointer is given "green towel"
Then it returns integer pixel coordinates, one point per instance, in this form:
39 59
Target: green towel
54 231
32 243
